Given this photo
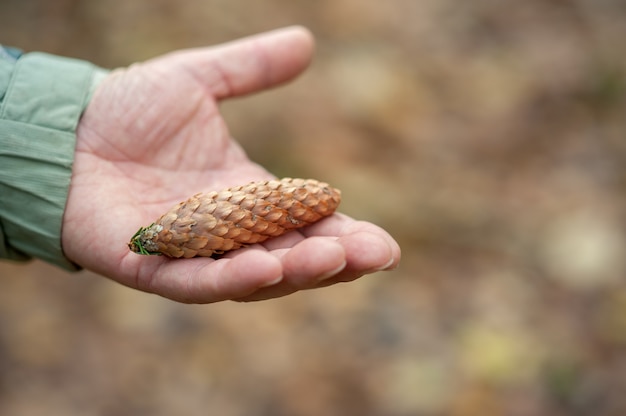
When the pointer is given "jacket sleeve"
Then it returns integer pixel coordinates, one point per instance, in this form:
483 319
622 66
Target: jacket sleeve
41 100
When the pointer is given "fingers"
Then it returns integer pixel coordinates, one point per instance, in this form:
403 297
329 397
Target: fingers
304 266
250 64
366 242
339 249
360 248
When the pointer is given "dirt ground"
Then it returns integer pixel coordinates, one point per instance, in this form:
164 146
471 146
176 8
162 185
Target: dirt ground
488 137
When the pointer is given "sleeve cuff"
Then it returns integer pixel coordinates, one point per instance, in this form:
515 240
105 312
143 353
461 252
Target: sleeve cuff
43 101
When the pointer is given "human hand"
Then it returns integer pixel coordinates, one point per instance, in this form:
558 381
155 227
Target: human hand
152 135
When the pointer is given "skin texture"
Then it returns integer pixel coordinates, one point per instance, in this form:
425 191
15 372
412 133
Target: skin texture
152 136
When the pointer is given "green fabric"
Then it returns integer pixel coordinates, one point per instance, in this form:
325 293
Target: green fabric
42 98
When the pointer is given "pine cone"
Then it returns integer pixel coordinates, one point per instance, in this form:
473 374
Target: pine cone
215 222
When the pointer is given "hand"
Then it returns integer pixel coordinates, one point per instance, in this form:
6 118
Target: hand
152 136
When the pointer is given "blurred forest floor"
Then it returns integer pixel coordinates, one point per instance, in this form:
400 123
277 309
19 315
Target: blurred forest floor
487 136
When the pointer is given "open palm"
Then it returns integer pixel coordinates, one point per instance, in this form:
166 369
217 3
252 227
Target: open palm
152 136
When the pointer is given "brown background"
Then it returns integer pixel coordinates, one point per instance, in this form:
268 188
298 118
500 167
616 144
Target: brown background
487 136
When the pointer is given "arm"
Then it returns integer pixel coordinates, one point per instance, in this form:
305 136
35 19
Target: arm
37 149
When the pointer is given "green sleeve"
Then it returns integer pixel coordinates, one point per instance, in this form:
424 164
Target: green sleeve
41 100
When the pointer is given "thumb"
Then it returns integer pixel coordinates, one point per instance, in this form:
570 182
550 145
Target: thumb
250 64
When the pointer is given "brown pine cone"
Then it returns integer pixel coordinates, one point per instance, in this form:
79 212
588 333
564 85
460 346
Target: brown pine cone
215 222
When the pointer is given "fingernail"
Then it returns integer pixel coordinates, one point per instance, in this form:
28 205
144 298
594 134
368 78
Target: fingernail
272 282
331 273
386 265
